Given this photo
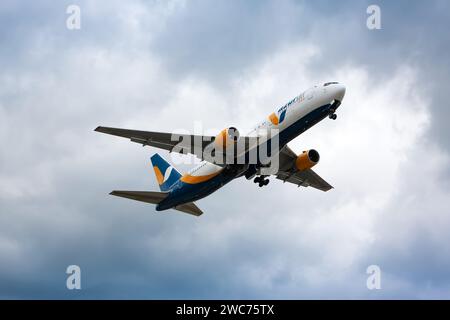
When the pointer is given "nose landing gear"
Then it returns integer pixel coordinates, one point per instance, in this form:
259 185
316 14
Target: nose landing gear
333 108
261 181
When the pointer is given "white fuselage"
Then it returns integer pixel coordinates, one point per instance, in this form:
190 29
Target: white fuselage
296 109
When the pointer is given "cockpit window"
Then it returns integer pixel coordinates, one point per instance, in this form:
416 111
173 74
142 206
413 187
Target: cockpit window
328 83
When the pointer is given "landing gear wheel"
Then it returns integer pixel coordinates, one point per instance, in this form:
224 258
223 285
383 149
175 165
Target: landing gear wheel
333 116
263 182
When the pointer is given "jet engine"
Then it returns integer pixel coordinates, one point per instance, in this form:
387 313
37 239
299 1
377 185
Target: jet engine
226 138
307 159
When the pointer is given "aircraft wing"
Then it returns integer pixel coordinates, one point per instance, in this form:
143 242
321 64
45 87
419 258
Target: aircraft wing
180 143
173 142
305 178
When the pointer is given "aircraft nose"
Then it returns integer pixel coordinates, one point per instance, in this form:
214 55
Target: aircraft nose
339 92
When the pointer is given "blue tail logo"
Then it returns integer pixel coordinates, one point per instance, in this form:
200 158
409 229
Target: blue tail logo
166 175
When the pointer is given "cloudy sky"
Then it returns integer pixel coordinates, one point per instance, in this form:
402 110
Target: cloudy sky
170 65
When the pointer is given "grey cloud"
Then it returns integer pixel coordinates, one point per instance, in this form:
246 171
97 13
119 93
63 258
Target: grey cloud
222 41
58 85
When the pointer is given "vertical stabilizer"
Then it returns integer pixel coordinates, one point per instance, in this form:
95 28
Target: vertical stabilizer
166 175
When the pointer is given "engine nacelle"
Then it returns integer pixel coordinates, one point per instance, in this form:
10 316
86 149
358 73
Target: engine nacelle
227 137
307 160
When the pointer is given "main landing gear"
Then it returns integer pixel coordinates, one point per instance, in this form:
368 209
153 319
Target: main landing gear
261 181
332 116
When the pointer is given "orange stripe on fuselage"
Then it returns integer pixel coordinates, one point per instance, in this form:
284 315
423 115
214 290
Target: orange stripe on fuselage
187 178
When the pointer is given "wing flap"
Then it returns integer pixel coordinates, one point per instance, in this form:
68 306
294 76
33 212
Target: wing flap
306 178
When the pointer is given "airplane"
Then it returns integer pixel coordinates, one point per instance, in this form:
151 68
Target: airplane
179 191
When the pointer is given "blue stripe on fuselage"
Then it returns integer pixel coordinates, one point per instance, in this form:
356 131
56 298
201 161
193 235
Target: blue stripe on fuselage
303 124
184 192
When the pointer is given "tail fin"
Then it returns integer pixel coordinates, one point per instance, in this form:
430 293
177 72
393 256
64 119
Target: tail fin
166 175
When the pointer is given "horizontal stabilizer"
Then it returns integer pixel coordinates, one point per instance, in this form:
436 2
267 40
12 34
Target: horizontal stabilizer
144 196
190 208
155 198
